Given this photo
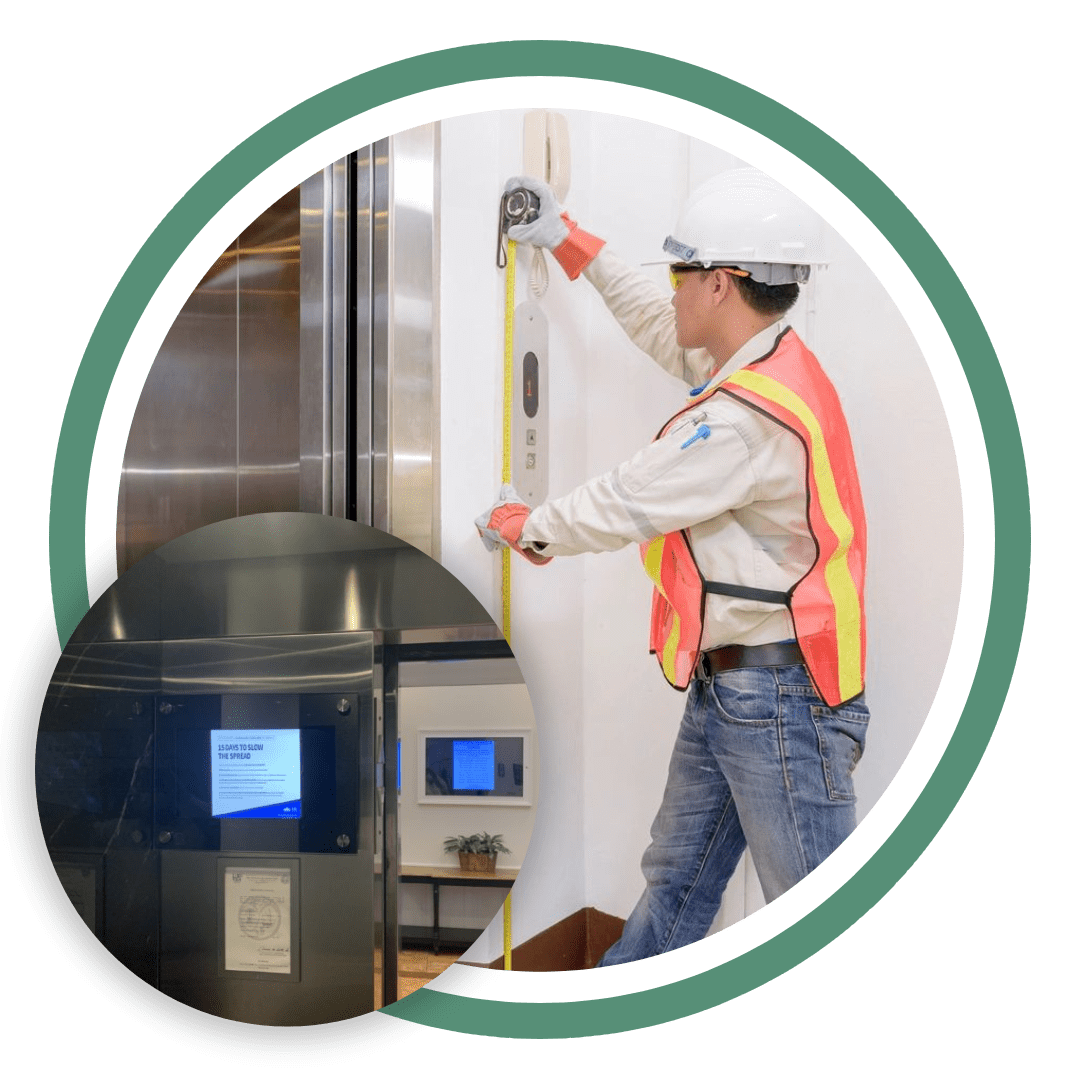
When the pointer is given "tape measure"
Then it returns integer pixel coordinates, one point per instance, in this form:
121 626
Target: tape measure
507 406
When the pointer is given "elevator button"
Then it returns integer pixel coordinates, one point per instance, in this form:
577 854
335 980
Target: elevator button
530 436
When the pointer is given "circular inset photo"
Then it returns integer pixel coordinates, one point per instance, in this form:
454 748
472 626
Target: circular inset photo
286 770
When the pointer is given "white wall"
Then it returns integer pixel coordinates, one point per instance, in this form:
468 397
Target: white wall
423 826
478 153
606 718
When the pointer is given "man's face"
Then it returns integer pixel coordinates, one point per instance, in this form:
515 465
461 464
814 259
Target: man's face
691 301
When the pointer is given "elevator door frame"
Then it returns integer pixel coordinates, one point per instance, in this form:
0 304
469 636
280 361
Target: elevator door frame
369 371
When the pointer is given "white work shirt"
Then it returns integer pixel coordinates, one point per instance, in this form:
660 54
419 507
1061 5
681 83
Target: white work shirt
740 491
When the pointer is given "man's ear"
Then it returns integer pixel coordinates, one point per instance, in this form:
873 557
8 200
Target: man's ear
721 285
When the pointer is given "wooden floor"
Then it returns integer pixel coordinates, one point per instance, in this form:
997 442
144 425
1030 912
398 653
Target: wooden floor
415 968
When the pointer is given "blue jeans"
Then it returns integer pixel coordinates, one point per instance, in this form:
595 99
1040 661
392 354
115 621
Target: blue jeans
760 762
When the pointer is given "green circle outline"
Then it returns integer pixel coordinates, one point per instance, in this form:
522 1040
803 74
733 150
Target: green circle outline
1012 530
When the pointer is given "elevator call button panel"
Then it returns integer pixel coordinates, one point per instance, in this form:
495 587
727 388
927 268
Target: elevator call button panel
529 417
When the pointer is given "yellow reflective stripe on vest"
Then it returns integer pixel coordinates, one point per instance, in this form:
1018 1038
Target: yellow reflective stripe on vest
654 554
838 579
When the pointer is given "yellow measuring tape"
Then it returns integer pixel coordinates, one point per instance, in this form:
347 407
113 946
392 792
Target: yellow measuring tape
506 931
508 404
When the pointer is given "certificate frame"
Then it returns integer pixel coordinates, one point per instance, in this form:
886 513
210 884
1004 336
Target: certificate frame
228 935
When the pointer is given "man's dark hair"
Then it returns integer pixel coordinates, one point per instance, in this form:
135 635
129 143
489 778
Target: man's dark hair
767 299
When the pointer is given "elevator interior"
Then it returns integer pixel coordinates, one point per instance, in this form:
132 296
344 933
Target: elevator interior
259 889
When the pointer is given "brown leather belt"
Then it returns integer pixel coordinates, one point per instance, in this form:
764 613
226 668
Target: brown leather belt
777 654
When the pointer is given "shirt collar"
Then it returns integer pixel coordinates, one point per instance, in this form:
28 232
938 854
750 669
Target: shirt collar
749 351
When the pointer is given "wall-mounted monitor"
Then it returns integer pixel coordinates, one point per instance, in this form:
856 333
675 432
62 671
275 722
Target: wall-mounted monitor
479 767
255 773
287 783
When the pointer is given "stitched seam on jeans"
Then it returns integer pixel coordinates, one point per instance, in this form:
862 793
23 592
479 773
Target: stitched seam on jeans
832 785
720 818
761 722
803 868
850 715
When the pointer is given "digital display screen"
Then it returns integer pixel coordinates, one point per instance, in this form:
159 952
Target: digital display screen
255 773
471 766
474 765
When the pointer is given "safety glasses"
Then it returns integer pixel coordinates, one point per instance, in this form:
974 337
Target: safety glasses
677 270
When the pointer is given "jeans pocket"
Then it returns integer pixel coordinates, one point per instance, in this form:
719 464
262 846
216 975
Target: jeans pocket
841 735
746 695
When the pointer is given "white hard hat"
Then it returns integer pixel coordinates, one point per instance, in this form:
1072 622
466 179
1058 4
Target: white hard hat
744 218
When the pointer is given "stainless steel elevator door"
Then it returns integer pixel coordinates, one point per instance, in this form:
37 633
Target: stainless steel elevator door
216 431
302 373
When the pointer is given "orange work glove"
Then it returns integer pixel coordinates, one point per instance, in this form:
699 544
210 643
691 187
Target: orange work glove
501 525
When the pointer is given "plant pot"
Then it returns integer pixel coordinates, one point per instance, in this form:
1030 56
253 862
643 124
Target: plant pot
471 860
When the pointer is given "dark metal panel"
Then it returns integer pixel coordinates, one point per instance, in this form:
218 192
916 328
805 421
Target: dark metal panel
180 463
332 976
132 917
268 360
334 953
94 780
391 863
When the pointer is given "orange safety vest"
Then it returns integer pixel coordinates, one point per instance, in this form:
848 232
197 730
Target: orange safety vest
788 386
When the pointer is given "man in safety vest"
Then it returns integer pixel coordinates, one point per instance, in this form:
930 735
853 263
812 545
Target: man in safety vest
748 513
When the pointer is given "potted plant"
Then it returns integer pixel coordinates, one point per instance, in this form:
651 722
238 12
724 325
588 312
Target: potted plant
476 852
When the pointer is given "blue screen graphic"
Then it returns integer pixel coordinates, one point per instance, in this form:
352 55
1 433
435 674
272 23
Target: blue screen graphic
255 774
474 764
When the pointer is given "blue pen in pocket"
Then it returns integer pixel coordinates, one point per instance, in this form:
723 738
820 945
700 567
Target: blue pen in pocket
703 432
